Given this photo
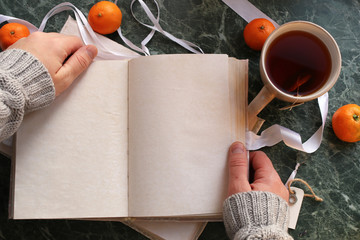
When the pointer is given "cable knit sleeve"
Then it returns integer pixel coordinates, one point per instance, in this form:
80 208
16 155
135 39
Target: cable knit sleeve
25 85
256 215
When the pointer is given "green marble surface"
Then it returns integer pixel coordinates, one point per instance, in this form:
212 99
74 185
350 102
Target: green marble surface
333 170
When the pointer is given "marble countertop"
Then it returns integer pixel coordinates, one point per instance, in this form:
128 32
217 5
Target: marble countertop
333 170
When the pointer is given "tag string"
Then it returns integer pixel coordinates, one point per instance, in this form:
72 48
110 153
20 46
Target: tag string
312 195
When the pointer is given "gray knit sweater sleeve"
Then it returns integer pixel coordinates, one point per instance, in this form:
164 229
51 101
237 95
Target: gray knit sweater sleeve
25 85
256 215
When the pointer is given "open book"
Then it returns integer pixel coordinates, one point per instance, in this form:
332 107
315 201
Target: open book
144 138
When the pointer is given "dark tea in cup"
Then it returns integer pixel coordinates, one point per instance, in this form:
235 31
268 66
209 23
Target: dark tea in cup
298 63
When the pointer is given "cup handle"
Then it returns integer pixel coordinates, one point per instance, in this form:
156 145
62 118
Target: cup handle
263 98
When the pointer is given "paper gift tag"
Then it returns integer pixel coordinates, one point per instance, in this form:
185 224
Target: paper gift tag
295 202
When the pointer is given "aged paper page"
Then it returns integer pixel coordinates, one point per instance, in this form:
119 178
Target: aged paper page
180 131
71 158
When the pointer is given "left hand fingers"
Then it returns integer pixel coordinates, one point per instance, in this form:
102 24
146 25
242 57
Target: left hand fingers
73 67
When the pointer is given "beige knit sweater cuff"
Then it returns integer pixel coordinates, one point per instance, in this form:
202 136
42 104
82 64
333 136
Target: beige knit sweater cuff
256 215
27 74
25 86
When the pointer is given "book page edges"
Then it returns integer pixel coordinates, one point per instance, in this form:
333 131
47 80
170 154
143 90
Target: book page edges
213 217
165 230
239 96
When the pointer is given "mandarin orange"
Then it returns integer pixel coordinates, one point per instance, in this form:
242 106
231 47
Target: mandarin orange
256 32
346 123
11 32
105 17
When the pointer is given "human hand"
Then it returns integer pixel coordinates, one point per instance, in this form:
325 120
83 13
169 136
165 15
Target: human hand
65 57
265 176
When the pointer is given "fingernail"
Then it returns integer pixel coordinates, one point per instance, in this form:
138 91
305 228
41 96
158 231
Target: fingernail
91 51
237 147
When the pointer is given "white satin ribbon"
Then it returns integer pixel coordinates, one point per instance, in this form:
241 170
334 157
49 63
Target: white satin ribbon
277 133
89 36
247 10
31 27
292 175
156 27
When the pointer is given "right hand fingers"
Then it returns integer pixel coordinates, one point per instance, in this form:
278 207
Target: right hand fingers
265 176
238 169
